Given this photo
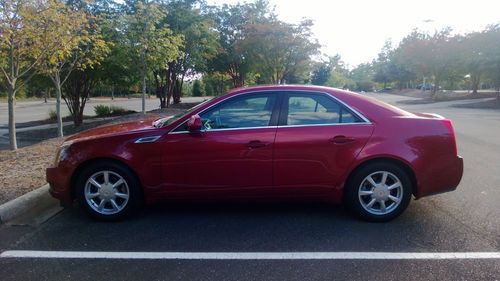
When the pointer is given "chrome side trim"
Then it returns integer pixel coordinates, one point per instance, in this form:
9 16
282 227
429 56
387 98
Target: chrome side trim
324 125
228 129
361 116
147 139
180 132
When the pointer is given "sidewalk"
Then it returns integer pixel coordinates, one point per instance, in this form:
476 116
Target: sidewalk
5 130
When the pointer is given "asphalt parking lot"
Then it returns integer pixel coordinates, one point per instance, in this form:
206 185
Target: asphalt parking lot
278 241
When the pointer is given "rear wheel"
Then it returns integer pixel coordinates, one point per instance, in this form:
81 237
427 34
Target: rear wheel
108 191
379 191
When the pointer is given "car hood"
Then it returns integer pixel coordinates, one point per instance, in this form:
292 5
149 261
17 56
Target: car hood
112 130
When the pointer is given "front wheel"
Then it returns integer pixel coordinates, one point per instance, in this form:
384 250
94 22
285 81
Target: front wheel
108 191
379 192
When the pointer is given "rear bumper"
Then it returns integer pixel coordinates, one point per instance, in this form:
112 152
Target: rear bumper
59 181
443 178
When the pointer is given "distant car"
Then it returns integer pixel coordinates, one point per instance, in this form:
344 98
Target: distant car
426 87
262 143
384 90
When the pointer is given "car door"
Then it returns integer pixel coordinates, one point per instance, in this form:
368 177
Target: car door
231 155
317 140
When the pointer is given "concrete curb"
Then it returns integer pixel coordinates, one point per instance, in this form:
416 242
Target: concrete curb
22 204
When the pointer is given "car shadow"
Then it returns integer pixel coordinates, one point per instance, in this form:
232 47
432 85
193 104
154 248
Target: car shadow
256 227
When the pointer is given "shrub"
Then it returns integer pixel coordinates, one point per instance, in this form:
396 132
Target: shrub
104 110
117 110
52 114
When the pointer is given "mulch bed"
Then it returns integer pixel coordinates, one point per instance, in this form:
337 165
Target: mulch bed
489 104
446 96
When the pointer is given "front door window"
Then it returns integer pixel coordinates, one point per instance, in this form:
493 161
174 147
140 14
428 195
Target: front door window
240 112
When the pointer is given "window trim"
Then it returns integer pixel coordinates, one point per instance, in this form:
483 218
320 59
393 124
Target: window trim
282 96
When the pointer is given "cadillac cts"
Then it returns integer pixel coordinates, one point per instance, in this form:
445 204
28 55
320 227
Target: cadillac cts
262 143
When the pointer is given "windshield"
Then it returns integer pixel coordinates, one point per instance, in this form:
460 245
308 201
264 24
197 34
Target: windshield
165 121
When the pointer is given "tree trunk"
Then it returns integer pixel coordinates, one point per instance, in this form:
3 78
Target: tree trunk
160 84
144 73
171 77
177 91
475 79
437 82
12 121
77 92
498 96
58 106
143 93
237 80
78 118
163 96
221 86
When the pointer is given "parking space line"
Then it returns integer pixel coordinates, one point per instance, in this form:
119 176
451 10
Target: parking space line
252 255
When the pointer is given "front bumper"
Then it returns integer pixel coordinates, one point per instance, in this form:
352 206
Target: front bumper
59 180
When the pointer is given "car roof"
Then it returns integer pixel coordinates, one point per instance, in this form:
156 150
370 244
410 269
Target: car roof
369 107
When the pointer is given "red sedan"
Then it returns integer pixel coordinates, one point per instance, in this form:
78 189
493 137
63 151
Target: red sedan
272 142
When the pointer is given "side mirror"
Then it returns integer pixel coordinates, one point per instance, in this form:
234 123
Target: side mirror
194 123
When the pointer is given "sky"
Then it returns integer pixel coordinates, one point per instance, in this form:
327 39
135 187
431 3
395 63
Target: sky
358 29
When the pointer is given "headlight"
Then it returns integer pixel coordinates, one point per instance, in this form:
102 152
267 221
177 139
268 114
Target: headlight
61 154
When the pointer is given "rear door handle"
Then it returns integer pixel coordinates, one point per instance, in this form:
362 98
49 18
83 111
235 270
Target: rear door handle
256 144
342 139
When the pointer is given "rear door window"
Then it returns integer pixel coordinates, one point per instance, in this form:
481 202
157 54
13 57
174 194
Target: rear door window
316 109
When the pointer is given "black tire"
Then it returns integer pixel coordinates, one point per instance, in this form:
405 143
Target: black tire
358 187
115 171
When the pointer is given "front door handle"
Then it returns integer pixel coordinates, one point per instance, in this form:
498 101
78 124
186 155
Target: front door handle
342 139
256 144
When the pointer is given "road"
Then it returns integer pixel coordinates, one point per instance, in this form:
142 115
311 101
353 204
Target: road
467 220
38 110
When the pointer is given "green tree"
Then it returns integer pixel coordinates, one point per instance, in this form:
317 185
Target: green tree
400 72
70 28
281 50
231 21
197 88
151 41
321 73
26 39
413 52
216 83
492 52
382 65
16 52
430 56
187 18
362 76
89 56
117 73
339 74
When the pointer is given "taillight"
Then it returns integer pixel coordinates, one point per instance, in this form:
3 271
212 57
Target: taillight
449 125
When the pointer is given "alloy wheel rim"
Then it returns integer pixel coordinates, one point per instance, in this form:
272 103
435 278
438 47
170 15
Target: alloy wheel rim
106 192
380 193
